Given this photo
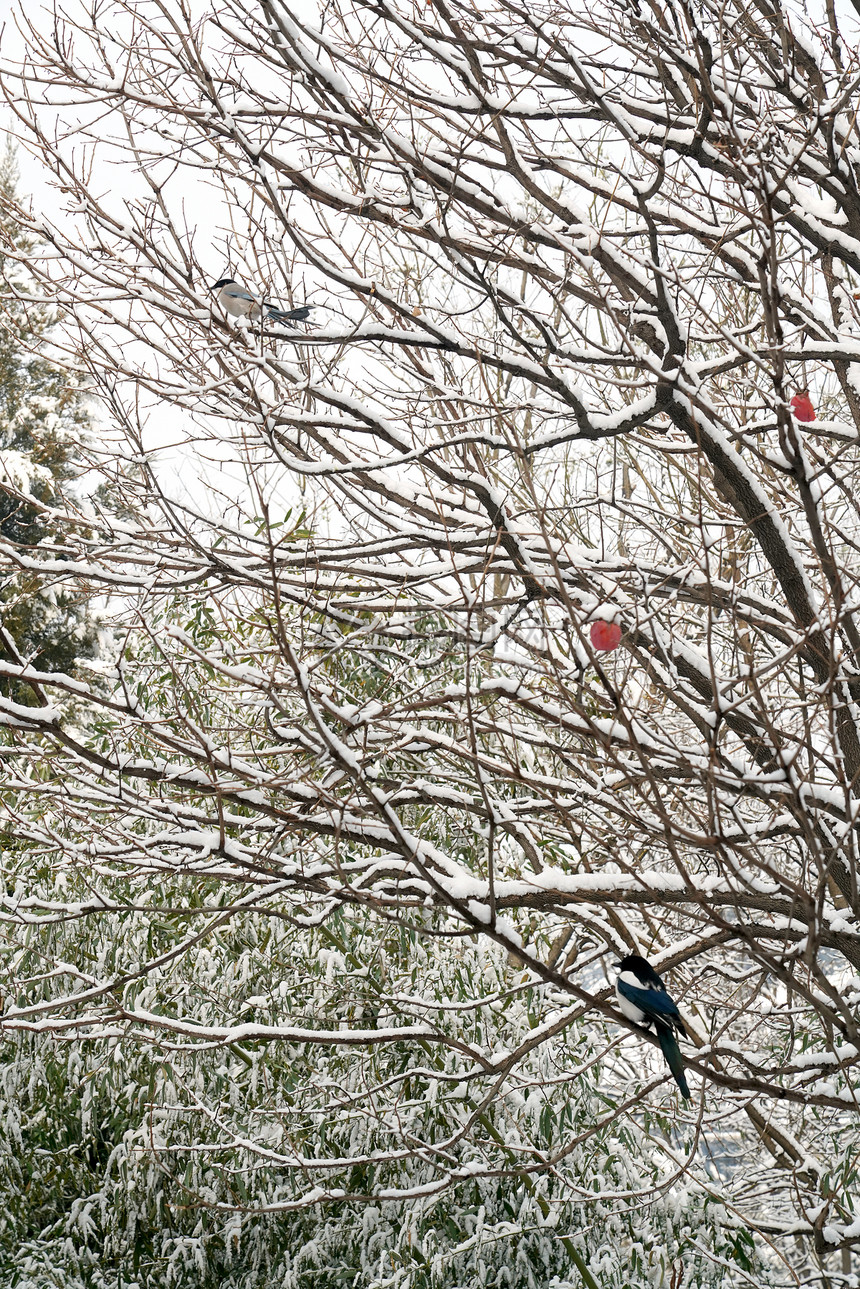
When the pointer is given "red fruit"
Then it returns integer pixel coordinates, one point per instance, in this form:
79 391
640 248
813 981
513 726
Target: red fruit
605 636
802 407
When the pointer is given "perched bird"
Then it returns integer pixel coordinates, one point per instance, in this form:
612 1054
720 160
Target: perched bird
240 303
643 999
801 405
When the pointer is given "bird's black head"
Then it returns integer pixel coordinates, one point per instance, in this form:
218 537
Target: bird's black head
224 281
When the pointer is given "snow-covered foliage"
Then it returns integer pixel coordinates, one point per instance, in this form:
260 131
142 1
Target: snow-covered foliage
43 428
311 903
121 1152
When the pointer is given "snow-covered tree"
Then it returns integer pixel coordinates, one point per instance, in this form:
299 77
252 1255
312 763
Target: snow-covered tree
328 880
43 422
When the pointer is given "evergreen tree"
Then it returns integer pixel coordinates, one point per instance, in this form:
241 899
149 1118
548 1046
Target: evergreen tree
43 423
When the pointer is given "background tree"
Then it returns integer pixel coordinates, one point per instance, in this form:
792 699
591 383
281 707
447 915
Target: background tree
349 846
44 424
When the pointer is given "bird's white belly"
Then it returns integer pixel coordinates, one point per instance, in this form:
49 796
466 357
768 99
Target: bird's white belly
629 1009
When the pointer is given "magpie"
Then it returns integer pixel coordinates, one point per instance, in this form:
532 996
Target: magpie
643 999
240 303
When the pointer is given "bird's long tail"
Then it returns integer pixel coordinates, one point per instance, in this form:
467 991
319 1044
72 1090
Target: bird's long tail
289 316
672 1052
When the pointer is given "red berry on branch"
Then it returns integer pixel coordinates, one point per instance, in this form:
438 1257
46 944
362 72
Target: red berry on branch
801 405
605 636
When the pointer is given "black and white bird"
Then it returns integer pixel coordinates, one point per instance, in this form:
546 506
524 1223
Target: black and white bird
239 303
643 998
